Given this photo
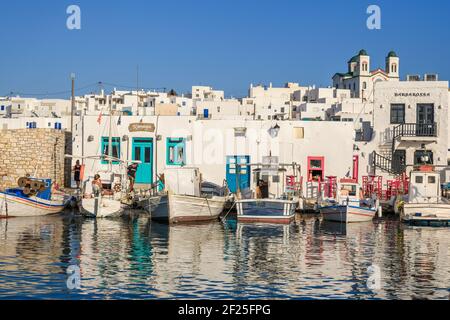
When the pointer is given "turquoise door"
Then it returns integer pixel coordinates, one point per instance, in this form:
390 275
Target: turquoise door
238 173
143 151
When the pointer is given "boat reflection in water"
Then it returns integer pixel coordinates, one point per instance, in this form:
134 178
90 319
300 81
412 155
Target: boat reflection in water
130 258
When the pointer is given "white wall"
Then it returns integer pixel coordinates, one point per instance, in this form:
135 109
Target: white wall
209 142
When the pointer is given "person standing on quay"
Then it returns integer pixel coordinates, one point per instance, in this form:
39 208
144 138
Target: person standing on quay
131 172
77 173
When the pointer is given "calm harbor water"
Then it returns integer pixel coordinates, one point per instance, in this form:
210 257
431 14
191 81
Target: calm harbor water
134 258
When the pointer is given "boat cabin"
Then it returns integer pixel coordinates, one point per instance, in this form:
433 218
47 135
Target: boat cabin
425 186
348 190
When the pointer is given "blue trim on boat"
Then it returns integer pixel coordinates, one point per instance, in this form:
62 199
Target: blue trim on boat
264 209
344 206
33 201
362 208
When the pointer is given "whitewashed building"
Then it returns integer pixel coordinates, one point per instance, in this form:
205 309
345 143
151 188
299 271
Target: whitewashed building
214 146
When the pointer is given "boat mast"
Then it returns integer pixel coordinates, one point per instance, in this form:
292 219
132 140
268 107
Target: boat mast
110 153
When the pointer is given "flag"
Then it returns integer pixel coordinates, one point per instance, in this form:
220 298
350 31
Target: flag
347 175
99 120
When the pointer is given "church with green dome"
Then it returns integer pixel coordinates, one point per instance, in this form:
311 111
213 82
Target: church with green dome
360 78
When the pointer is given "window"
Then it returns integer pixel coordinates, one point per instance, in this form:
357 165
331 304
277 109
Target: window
364 85
147 155
397 113
348 190
137 153
394 68
282 110
432 179
419 179
299 133
2 108
115 149
218 109
423 157
316 168
176 152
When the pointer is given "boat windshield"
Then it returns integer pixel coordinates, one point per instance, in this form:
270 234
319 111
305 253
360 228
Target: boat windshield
348 190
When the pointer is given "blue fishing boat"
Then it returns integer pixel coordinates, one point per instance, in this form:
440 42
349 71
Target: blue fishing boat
32 197
264 206
266 210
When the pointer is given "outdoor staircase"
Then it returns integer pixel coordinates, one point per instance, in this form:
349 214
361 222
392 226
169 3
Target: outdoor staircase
385 161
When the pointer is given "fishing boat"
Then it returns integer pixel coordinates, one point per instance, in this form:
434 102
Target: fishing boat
100 207
343 202
258 205
185 200
33 197
113 200
425 204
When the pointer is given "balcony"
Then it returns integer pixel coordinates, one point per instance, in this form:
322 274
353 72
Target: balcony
415 132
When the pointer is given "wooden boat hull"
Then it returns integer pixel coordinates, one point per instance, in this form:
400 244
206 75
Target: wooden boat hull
15 206
101 208
347 214
182 208
266 211
427 214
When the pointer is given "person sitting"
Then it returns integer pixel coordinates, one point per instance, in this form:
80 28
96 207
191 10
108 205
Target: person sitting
361 194
97 185
344 192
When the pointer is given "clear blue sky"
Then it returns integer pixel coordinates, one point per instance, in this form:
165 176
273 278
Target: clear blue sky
227 44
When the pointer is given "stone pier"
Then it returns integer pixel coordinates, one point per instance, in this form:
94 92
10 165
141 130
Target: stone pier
38 152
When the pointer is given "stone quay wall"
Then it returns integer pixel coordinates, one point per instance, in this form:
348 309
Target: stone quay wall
38 152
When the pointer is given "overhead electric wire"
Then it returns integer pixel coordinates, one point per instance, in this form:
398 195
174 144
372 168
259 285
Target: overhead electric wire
96 84
132 87
52 93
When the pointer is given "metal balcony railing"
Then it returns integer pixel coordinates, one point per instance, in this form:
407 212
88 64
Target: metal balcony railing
415 130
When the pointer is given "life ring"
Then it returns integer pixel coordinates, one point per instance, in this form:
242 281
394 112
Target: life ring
36 185
117 187
22 182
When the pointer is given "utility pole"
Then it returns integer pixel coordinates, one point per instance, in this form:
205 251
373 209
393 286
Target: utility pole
137 88
72 76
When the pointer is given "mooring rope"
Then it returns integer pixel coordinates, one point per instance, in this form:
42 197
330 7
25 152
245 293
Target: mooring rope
225 216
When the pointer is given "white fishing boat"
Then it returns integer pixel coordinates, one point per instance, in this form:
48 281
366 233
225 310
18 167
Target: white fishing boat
263 207
184 200
343 203
110 202
425 204
33 197
113 201
100 207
